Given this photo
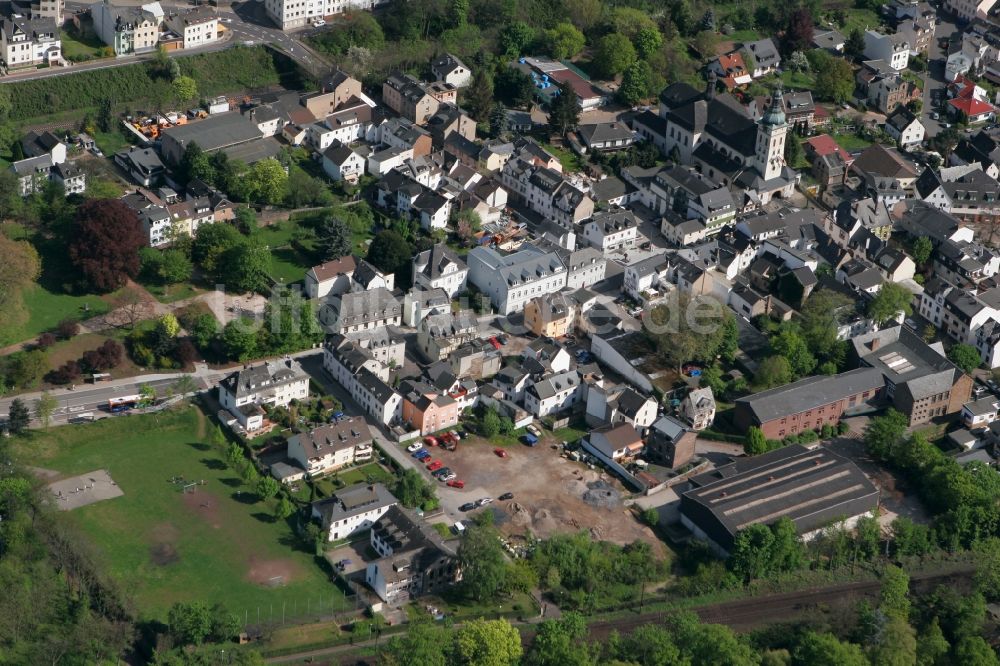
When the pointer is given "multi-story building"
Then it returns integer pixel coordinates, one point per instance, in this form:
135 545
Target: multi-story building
28 42
292 14
611 230
967 10
511 281
330 447
905 127
546 191
427 409
127 29
416 101
196 27
352 509
360 311
274 383
438 335
893 49
413 559
450 69
809 403
440 268
554 393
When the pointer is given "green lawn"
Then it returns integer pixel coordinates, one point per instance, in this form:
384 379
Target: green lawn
79 47
288 263
173 293
218 544
570 161
861 19
851 142
798 80
110 142
742 36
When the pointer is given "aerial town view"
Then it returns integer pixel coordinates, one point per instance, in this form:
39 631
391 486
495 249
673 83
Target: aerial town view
500 332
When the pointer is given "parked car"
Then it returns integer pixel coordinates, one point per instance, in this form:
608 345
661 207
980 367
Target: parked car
506 496
447 477
468 506
500 452
430 441
422 454
413 448
455 434
455 483
435 465
483 501
530 440
496 343
438 473
533 430
503 339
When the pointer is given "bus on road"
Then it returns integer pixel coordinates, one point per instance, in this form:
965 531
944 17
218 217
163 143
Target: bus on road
123 403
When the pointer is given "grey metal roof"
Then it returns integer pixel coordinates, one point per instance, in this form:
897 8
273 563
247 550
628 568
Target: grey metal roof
810 393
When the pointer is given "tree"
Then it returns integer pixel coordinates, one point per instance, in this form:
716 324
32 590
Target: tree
772 371
891 300
479 96
793 151
305 190
185 88
203 329
750 557
854 46
790 345
932 646
44 406
834 79
284 509
799 32
334 238
894 593
498 121
564 41
267 487
211 242
817 649
798 62
489 426
246 267
883 433
896 644
651 516
705 42
514 38
194 164
975 651
106 238
822 314
458 12
560 643
514 87
412 490
239 339
648 41
965 356
18 418
390 253
756 443
635 83
147 395
423 644
564 112
787 551
19 268
921 251
613 55
190 622
174 267
487 643
267 180
483 564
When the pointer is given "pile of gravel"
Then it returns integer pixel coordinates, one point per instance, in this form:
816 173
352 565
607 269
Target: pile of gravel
602 495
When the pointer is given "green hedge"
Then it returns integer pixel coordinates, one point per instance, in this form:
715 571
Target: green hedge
231 70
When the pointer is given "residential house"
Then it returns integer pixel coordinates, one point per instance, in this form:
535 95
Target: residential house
585 267
331 277
72 178
893 49
337 91
360 311
809 403
340 162
438 335
546 191
353 509
272 383
968 10
606 137
764 58
971 110
670 443
698 408
905 127
620 403
646 279
614 443
440 268
451 70
611 231
556 315
196 27
426 409
829 40
813 488
447 120
127 29
410 98
554 393
143 165
29 42
419 303
969 194
291 14
731 70
511 281
980 413
413 560
330 447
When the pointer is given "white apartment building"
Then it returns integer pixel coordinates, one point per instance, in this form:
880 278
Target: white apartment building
611 230
330 447
274 383
127 29
196 27
554 393
893 49
440 268
513 280
966 10
352 509
29 42
292 14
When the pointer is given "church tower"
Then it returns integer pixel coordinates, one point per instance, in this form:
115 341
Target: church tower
771 134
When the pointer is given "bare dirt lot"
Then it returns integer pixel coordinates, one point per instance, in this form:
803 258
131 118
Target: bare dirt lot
551 494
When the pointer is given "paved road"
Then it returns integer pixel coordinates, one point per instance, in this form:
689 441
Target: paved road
934 76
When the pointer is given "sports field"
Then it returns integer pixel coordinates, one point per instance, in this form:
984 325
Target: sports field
215 544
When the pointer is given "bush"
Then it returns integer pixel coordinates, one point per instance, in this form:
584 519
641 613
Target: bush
109 355
842 428
67 328
45 340
65 374
808 436
828 431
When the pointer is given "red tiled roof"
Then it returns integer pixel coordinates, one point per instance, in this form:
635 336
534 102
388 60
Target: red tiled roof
582 88
971 107
824 144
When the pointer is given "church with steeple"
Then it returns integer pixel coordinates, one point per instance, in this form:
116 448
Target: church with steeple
715 134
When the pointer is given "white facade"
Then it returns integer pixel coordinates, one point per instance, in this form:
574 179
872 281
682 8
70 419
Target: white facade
350 168
554 394
891 48
912 134
26 43
512 281
196 28
292 14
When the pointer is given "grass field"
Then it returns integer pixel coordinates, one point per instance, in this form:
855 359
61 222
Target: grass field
218 544
288 264
851 142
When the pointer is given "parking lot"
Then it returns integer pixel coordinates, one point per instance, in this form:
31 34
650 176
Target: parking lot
552 494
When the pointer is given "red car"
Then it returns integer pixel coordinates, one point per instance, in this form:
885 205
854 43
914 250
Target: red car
496 343
500 452
430 441
455 483
434 464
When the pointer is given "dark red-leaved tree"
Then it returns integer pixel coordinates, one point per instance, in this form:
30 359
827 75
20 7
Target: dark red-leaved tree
107 236
799 33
